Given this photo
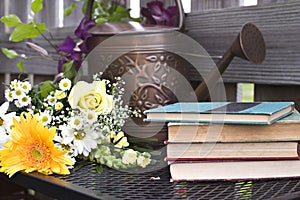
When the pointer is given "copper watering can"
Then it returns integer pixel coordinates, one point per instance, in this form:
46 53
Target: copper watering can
145 64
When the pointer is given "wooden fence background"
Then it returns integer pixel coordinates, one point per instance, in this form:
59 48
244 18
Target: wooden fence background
212 23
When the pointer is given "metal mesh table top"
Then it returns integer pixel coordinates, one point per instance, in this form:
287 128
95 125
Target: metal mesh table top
115 184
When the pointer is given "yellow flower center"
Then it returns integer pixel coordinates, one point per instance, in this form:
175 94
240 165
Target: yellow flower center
44 118
79 135
1 121
37 154
77 122
18 92
90 116
65 84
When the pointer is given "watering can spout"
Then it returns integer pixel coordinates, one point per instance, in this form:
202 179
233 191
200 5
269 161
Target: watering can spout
248 45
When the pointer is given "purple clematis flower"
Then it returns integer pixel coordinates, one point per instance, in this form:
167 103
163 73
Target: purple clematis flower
155 13
83 33
67 47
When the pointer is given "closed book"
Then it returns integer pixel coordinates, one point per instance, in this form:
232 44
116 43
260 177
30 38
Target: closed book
232 151
234 170
221 112
286 129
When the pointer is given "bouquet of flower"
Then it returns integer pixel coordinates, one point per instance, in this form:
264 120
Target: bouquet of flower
49 126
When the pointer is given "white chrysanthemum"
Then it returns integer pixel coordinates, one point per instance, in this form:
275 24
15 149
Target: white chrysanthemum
129 157
6 120
76 122
65 84
15 84
45 117
90 116
24 101
83 140
9 95
26 86
51 100
18 93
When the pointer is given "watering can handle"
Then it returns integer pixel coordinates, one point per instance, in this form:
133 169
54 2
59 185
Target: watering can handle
180 11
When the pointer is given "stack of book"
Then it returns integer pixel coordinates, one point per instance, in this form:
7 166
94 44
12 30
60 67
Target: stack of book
230 141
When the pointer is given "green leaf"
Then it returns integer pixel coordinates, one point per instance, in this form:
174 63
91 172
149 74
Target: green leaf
69 9
20 66
99 168
24 31
11 20
45 88
11 54
69 69
37 6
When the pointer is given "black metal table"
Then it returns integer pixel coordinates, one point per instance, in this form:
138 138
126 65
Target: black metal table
86 183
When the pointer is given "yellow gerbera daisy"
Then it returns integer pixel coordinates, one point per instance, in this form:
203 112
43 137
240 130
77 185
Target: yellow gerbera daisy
31 148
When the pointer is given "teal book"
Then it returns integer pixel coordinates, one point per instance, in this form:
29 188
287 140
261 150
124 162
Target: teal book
221 112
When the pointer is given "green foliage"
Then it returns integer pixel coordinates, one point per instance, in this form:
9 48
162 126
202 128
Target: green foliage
20 66
45 88
69 69
11 54
70 9
11 20
24 31
37 6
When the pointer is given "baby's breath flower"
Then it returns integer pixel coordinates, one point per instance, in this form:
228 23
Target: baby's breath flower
65 84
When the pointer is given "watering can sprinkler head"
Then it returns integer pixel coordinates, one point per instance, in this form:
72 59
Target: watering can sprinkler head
248 45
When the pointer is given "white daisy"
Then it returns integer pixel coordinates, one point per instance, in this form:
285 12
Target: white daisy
64 84
45 117
90 116
14 84
26 86
25 101
83 140
76 122
6 119
51 100
18 93
9 95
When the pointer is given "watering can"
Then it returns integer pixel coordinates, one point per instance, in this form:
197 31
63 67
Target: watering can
155 61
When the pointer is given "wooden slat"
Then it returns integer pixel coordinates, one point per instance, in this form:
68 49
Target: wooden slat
279 23
261 2
76 16
278 93
198 5
49 15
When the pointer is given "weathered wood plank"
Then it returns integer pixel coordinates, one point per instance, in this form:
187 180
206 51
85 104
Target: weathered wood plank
278 93
75 17
279 23
50 13
198 5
